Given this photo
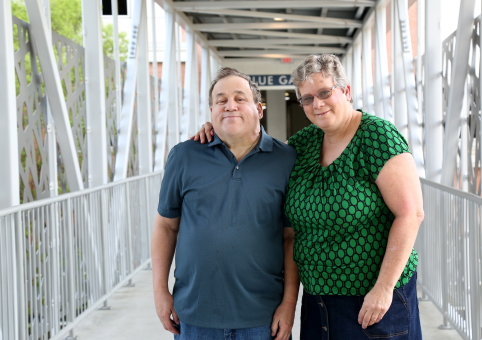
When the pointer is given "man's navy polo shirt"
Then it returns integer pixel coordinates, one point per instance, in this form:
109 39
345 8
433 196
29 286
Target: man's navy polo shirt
229 253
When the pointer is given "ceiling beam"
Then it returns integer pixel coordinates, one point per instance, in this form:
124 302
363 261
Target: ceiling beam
281 47
321 38
191 5
270 15
274 25
261 43
282 53
185 21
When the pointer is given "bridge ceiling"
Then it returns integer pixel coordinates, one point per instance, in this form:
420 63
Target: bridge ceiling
276 28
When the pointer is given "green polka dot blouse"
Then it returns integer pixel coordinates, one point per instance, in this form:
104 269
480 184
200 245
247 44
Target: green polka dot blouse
338 213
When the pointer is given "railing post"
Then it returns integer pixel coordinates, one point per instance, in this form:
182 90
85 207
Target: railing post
20 235
148 225
443 255
105 254
71 265
129 234
475 238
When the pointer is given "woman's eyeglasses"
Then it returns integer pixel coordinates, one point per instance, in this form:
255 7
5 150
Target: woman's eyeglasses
322 94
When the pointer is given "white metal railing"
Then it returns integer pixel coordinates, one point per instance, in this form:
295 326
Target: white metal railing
450 247
61 258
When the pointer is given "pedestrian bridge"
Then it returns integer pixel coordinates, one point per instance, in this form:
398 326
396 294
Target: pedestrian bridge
84 138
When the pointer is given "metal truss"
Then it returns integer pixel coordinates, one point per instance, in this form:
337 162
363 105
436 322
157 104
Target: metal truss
51 76
415 124
458 76
95 94
382 83
127 150
367 80
190 106
8 129
432 92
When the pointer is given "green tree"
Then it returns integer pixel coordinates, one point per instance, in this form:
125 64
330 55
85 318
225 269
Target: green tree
66 20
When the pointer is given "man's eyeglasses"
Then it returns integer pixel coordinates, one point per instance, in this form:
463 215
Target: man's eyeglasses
322 94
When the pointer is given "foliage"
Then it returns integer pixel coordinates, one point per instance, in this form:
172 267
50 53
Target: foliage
66 20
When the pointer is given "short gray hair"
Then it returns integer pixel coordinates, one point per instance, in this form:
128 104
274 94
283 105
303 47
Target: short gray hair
228 71
328 64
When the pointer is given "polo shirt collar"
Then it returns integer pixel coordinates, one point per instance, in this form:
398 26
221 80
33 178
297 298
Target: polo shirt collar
265 144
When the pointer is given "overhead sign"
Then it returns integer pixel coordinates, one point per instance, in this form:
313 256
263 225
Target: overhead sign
272 79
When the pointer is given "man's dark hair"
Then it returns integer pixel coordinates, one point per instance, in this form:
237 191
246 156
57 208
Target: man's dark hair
228 71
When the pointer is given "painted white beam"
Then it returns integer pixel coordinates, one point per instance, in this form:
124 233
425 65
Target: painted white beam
457 88
117 76
367 78
282 53
94 93
125 125
270 15
268 48
433 91
40 33
414 121
191 5
264 42
320 38
343 23
167 125
51 134
190 114
206 77
9 153
183 20
399 100
356 86
144 113
382 83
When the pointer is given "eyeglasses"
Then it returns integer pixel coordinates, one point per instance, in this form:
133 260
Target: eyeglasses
322 94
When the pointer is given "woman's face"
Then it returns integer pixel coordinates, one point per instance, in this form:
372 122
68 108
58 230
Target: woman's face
329 113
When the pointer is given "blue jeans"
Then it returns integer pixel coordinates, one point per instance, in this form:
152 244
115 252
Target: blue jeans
189 332
335 317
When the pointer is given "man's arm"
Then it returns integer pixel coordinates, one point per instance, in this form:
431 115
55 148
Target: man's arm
285 313
163 245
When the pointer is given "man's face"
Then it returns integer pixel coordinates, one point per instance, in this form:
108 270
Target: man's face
234 112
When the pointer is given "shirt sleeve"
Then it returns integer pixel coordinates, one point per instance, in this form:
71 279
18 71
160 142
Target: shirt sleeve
382 141
170 197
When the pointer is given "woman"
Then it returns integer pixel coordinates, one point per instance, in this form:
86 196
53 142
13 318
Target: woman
355 203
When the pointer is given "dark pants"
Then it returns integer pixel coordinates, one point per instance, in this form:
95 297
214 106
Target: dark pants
335 317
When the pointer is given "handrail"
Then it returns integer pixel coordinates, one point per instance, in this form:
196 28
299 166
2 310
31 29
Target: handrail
449 244
62 257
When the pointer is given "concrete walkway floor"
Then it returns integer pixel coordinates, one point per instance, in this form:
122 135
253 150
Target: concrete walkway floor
132 316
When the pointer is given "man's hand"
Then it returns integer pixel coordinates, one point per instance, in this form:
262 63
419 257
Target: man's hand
283 321
205 134
165 309
375 305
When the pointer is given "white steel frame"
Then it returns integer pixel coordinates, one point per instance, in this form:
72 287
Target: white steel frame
95 93
40 32
457 90
9 195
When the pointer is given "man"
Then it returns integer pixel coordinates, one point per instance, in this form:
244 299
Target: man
221 210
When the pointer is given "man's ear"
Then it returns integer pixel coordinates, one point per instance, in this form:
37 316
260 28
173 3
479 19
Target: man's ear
259 108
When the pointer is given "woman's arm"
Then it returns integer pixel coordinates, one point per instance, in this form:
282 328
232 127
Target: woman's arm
399 185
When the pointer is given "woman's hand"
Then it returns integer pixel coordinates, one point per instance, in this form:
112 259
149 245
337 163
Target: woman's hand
375 305
206 133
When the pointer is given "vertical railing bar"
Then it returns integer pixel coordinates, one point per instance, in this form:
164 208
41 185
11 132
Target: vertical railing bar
148 224
20 258
129 233
71 265
104 247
